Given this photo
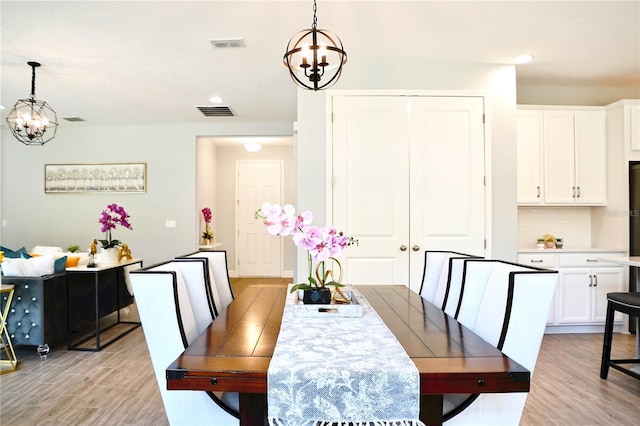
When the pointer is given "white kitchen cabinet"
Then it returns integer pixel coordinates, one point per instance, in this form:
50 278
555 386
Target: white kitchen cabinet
574 147
529 137
580 300
583 294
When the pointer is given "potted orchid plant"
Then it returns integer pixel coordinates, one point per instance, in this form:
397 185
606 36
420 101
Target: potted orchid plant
110 217
207 235
321 243
113 215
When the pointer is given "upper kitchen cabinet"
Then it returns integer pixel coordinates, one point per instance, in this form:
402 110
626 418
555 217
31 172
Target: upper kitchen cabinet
529 137
623 126
571 160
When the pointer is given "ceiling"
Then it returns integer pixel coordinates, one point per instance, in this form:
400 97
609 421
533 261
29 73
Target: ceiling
150 62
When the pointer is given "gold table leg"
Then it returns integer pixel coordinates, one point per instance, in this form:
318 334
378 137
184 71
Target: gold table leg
5 338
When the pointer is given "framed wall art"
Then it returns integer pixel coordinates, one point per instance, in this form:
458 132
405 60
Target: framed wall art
97 177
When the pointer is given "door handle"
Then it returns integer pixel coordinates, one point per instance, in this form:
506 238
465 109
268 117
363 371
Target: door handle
578 192
538 191
403 248
595 281
590 280
415 247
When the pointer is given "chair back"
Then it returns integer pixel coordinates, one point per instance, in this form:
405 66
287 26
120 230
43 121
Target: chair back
512 315
192 274
167 321
126 270
444 283
436 274
454 286
218 275
490 318
474 281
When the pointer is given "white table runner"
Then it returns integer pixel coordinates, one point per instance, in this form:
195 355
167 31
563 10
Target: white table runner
338 370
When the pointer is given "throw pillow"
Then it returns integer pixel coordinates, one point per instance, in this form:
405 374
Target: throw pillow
13 254
33 267
72 261
59 264
47 250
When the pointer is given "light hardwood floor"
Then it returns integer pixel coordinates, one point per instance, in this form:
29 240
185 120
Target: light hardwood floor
116 386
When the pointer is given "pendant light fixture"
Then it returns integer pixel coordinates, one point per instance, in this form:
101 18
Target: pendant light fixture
315 57
31 121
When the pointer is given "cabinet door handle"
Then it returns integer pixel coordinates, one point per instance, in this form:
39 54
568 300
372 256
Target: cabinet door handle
573 188
538 191
592 260
595 281
536 261
403 248
590 280
578 196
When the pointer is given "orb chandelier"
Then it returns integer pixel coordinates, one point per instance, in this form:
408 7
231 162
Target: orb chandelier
315 57
31 121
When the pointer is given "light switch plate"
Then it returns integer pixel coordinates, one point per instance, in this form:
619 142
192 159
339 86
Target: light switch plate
170 223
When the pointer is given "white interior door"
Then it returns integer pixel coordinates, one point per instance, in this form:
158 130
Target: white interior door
408 176
371 186
446 191
259 254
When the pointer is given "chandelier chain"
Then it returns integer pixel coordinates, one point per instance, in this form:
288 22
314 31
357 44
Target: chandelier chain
314 25
33 81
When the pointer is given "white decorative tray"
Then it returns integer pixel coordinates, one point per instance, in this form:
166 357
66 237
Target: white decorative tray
333 310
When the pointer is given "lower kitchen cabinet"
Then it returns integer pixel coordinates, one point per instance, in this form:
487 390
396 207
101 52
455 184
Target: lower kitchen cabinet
582 294
580 300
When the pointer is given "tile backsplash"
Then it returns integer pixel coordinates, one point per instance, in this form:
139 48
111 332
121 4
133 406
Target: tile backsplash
572 224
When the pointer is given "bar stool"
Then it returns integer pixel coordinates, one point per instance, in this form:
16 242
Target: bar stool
628 303
6 291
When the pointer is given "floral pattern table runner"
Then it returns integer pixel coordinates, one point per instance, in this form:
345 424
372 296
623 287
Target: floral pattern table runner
339 370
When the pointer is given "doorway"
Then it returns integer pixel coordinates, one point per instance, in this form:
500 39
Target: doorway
217 187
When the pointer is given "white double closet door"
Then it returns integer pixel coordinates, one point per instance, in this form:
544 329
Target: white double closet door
407 176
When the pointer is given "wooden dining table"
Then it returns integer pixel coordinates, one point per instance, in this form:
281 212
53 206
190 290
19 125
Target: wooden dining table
234 352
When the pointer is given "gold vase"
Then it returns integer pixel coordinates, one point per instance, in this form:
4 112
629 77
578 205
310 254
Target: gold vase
207 232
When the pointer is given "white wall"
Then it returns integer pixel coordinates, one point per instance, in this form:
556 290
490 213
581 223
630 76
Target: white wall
35 218
206 182
497 82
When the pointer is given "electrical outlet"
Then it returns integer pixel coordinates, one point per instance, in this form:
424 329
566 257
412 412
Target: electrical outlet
170 224
564 224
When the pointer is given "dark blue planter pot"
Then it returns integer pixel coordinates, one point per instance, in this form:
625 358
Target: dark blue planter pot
320 296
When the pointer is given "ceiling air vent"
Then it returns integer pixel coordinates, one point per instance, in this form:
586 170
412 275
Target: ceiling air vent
74 118
216 111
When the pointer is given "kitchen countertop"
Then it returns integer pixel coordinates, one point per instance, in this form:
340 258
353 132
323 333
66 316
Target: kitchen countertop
571 250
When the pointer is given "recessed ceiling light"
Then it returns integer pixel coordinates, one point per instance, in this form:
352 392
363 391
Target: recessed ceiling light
523 59
215 100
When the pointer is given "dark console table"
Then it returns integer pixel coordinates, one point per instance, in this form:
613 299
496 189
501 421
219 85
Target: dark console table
95 297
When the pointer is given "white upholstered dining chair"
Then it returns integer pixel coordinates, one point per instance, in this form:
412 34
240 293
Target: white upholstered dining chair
511 315
169 326
218 275
436 274
194 276
454 286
